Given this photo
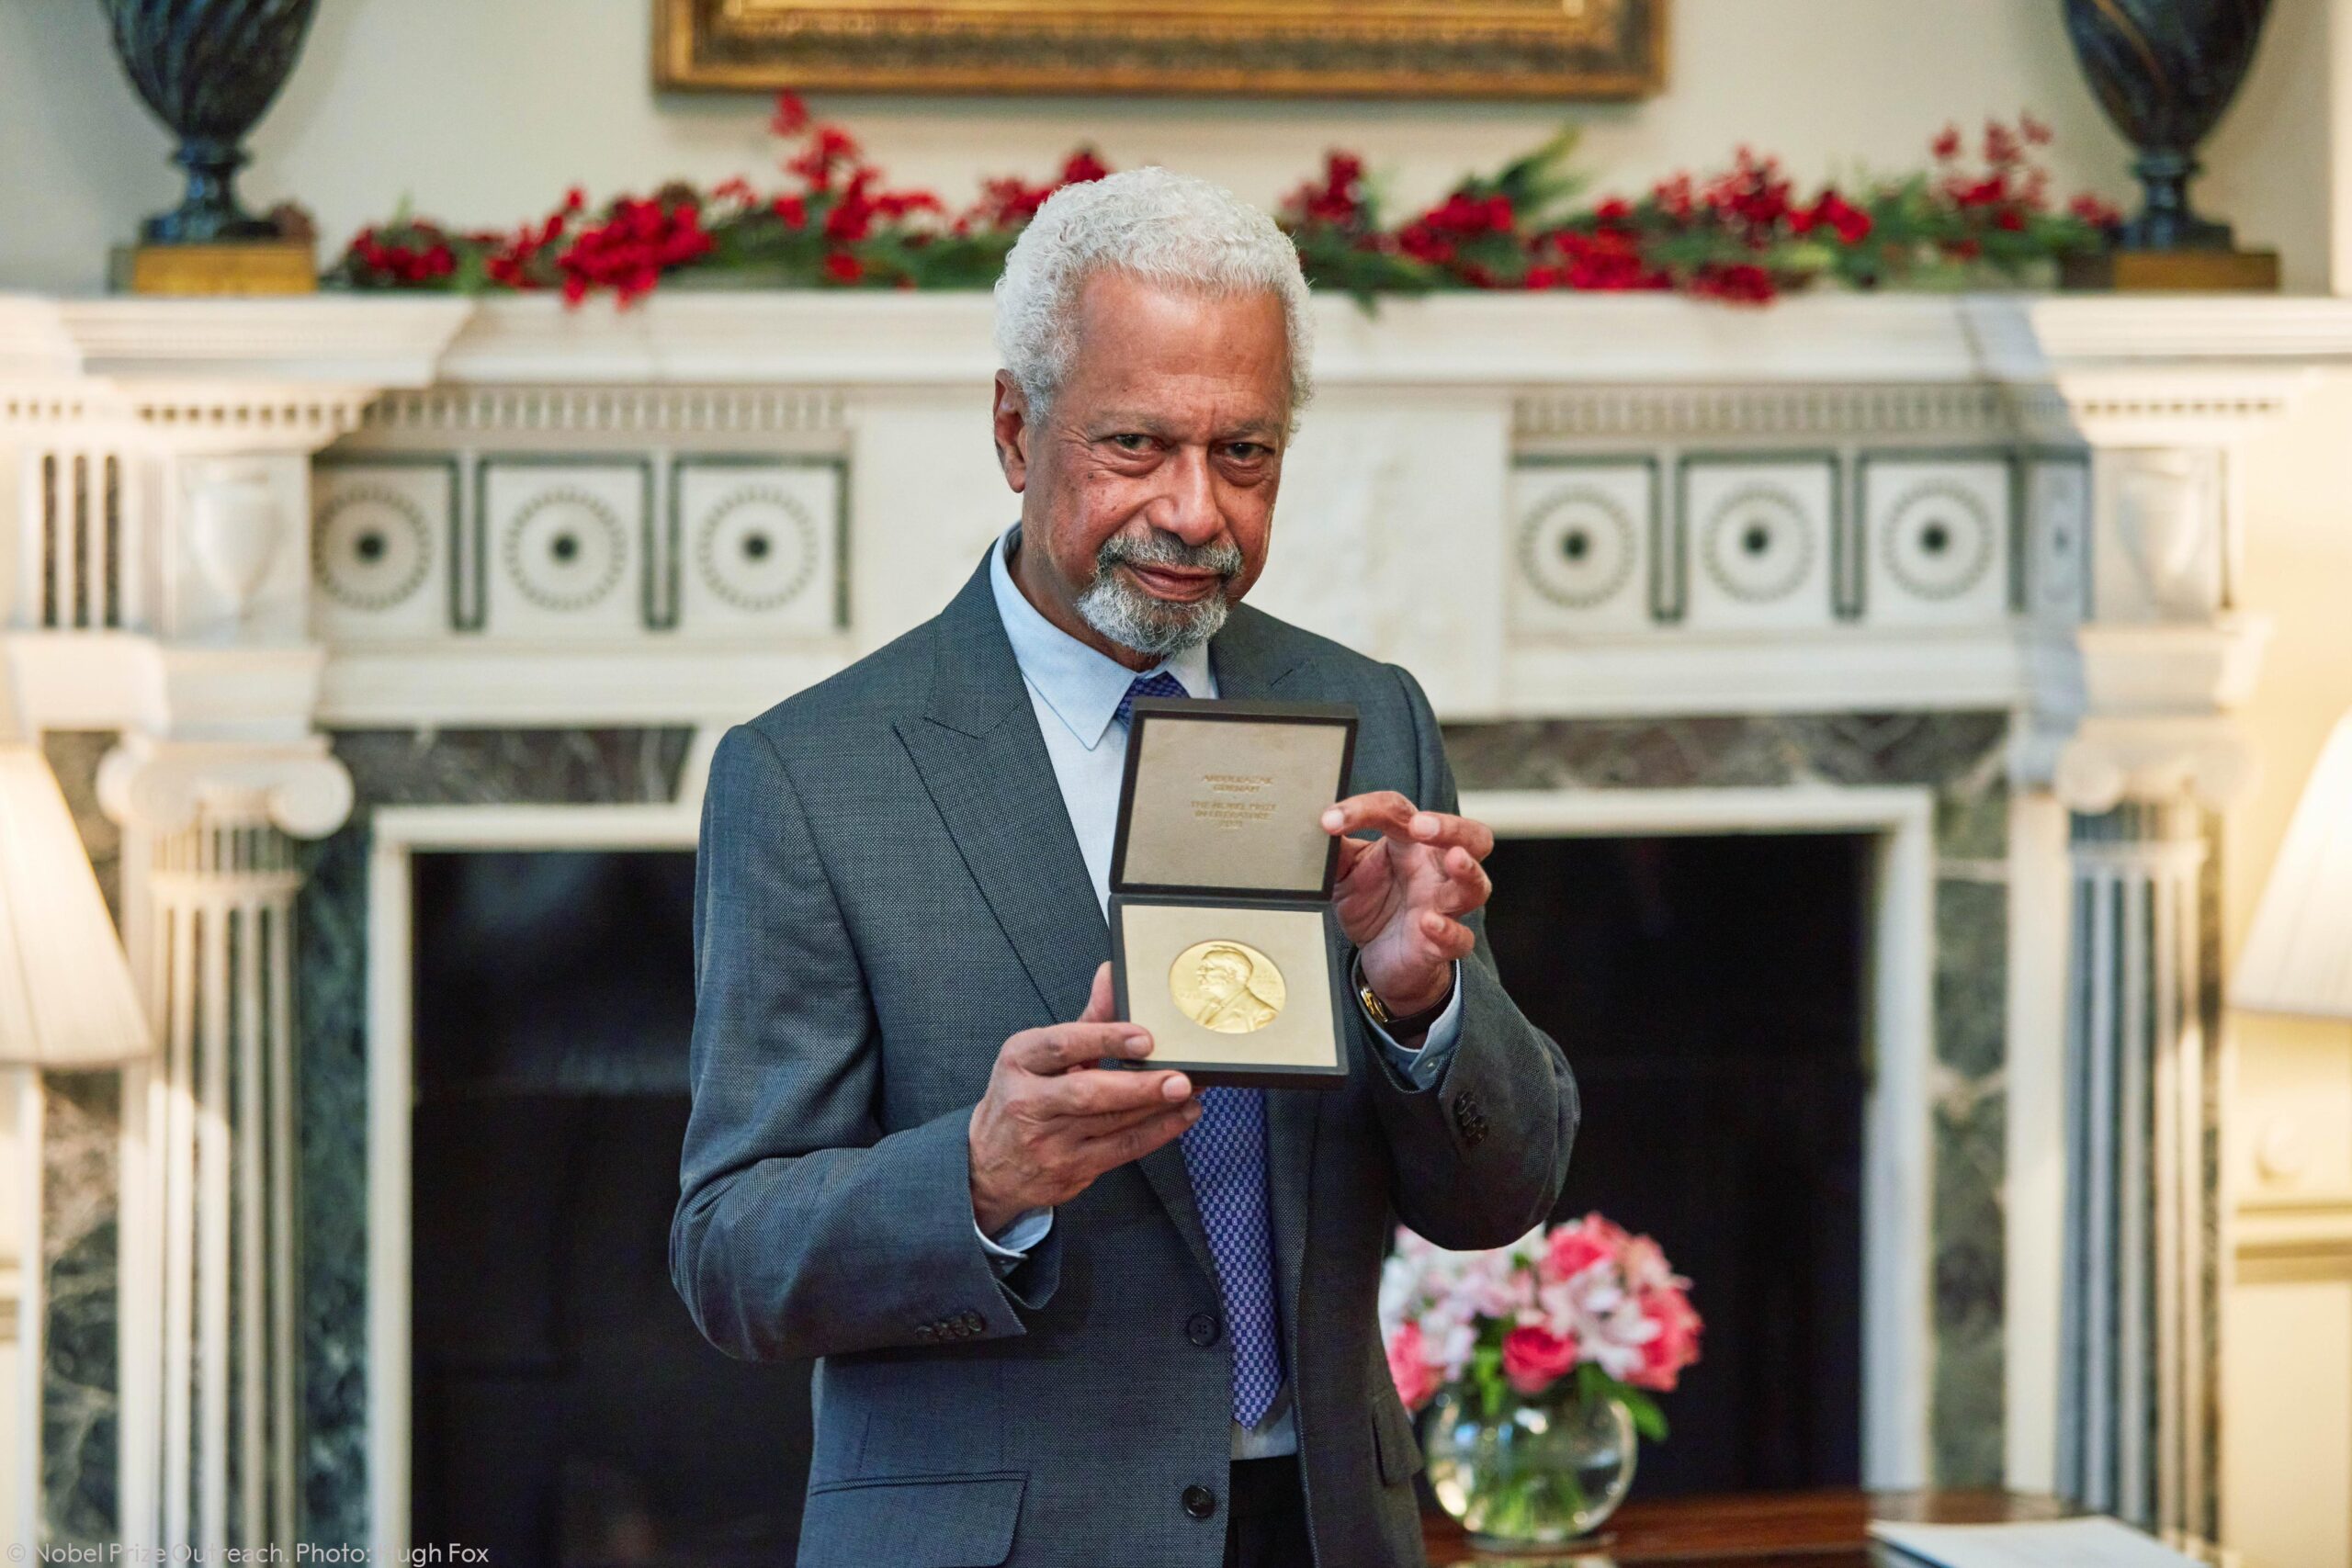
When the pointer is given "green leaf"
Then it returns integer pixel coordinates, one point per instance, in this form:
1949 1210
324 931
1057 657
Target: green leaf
1649 1419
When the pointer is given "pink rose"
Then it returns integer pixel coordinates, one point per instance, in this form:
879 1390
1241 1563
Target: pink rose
1414 1378
1675 1345
1577 1246
1534 1359
1570 1252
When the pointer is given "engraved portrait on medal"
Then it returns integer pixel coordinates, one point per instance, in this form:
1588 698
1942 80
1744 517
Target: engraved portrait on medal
1227 986
1393 49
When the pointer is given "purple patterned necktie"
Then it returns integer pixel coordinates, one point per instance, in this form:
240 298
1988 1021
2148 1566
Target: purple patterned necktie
1225 1154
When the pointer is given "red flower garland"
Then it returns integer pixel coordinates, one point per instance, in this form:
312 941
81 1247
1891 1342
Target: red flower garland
1746 234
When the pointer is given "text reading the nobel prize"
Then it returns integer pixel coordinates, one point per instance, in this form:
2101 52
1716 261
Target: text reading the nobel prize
1227 811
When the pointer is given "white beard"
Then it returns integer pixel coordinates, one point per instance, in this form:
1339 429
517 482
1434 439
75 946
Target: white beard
1132 618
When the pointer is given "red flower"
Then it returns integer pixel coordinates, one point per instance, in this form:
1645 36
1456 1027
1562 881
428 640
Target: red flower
2094 210
830 147
1673 196
1337 199
1946 146
1850 223
1740 283
1535 1359
1991 191
2001 144
1754 195
1083 167
2034 130
843 268
633 247
792 210
791 116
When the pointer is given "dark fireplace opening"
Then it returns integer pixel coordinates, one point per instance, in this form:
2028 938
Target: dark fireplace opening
1709 991
567 1412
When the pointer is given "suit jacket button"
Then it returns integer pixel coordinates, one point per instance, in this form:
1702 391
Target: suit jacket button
1201 1328
924 1331
974 1323
1199 1502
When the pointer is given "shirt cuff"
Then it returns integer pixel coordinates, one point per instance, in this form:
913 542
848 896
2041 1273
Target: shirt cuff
1425 1064
1011 1246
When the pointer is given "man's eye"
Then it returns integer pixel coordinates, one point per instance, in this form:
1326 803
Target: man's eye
1246 451
1130 441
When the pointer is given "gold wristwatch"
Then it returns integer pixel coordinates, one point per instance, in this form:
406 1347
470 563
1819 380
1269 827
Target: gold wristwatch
1377 1010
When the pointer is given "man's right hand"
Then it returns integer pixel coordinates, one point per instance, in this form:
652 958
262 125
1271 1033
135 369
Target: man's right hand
1052 1122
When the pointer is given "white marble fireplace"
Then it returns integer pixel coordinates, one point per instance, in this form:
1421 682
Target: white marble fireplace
401 574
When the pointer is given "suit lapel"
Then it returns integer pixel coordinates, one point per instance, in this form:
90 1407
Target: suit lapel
1254 660
984 764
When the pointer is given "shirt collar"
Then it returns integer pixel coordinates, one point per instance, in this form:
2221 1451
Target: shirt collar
1080 684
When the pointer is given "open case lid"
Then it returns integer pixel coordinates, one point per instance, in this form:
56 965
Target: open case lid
1228 797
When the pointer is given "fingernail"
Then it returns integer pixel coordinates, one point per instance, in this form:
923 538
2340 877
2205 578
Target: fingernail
1192 1111
1173 1086
1333 819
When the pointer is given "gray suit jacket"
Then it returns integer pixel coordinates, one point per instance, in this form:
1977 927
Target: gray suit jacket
888 887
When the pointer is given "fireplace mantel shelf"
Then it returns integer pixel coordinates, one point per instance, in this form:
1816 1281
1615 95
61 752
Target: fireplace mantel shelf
849 338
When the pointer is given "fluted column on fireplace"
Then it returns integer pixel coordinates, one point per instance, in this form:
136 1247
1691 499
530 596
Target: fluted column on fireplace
2139 1406
210 1355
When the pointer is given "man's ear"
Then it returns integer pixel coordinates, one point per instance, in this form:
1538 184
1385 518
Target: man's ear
1009 424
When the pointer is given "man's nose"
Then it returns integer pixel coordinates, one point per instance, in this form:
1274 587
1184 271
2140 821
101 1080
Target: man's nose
1187 506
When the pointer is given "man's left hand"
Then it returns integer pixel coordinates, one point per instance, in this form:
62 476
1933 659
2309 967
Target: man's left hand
1401 895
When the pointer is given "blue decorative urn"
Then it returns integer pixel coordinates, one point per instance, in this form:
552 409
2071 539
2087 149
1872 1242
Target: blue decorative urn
208 69
2164 70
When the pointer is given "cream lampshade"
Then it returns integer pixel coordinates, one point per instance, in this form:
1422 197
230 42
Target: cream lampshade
2298 957
66 996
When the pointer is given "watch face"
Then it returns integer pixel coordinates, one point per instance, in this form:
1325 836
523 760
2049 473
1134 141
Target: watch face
1227 986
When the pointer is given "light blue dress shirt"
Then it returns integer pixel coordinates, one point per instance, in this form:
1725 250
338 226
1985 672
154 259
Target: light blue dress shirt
1076 692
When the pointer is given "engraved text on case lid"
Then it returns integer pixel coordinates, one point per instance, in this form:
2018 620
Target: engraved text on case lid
1229 987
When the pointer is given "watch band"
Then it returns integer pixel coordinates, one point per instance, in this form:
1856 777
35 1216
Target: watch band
1377 1010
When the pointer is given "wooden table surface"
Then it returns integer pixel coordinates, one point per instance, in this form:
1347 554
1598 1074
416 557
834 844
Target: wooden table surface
1785 1529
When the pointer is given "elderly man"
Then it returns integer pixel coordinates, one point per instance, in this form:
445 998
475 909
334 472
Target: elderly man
1065 1314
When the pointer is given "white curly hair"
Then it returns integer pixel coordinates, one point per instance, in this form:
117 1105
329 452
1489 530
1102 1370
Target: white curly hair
1151 223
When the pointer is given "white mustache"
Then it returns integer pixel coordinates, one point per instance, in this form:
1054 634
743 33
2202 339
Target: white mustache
1166 550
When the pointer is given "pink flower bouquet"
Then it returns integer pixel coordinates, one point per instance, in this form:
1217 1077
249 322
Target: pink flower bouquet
1583 1300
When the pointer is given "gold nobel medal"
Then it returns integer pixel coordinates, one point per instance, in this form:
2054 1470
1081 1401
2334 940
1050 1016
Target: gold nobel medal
1227 986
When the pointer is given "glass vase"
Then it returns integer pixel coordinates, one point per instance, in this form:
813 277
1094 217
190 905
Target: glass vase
1529 1470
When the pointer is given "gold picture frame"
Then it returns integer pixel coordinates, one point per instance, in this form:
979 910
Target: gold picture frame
1389 49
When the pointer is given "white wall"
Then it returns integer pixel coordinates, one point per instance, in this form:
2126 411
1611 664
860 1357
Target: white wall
483 111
